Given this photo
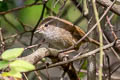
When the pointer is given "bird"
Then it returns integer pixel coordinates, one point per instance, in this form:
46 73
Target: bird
60 33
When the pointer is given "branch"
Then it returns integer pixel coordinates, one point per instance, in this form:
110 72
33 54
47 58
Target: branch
39 54
44 52
80 57
115 8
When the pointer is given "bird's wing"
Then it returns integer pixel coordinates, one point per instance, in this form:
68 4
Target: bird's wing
63 24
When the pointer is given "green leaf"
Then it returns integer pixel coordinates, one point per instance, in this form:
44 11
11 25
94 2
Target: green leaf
21 66
12 53
12 73
3 64
4 74
15 74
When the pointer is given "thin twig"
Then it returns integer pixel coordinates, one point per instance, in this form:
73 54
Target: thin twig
21 24
116 54
104 14
19 8
100 39
2 45
111 27
41 17
38 76
10 23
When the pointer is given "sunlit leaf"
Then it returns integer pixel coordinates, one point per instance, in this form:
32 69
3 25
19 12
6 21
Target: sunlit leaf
4 74
12 73
21 66
12 53
3 64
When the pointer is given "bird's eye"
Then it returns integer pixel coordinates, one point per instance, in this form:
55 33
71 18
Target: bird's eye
46 25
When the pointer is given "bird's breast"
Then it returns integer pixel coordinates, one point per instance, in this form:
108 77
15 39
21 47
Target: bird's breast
59 38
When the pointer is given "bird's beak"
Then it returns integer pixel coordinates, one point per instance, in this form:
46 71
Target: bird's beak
37 31
41 28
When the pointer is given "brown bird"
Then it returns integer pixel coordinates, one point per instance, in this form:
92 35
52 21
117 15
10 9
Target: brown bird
60 33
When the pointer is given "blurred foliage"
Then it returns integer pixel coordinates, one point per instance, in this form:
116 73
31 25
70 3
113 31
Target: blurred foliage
84 66
115 19
81 75
3 6
30 15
